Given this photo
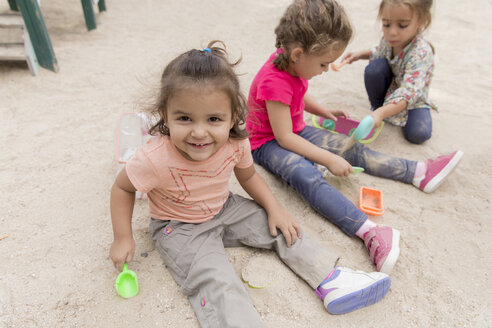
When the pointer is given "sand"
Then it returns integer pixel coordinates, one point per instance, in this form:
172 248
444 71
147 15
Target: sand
57 165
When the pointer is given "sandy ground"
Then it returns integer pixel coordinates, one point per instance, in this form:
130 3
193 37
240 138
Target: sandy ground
57 165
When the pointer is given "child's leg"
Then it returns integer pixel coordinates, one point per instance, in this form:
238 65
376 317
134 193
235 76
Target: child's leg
342 290
377 79
194 255
247 225
374 163
307 180
419 125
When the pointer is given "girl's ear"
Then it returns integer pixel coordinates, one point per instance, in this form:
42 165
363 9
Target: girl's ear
295 54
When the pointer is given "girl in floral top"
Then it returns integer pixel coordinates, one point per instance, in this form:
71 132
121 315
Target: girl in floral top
398 76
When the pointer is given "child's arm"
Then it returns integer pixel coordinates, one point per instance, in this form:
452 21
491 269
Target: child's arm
351 57
279 115
386 111
122 202
418 68
278 217
314 107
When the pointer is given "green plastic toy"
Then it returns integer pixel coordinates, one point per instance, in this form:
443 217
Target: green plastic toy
357 169
364 128
126 283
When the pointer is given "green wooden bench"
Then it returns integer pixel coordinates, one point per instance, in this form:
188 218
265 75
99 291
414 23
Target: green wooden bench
40 39
15 43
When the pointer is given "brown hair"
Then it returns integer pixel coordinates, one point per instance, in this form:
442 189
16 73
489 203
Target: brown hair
209 67
421 7
314 25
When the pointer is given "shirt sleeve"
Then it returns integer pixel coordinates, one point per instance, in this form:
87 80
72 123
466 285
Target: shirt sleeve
275 89
377 50
414 80
141 172
246 159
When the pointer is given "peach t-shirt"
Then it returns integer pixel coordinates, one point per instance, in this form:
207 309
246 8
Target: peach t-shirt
180 189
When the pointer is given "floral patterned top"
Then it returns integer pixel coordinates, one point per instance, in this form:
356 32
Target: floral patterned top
412 72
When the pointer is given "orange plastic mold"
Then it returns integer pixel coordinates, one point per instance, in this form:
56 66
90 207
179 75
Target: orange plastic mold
371 201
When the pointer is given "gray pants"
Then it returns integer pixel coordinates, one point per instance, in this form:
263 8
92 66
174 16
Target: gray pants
195 256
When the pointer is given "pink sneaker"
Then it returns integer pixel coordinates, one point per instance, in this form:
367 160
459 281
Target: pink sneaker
437 170
383 244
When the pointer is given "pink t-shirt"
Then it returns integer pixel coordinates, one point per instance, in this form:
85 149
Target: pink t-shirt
183 190
273 85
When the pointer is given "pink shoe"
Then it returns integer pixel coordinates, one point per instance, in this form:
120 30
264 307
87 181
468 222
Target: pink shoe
383 244
437 170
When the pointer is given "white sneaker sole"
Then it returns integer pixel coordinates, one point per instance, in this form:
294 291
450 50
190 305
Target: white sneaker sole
439 178
359 298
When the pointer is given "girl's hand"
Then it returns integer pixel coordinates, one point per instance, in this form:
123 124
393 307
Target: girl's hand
376 115
350 57
332 114
122 251
288 226
339 166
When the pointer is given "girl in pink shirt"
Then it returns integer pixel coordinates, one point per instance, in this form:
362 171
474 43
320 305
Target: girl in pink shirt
185 169
310 35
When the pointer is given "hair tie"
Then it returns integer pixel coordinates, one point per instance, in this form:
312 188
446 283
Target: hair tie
208 50
280 51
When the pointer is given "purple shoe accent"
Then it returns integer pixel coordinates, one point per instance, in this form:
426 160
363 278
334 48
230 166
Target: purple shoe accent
360 298
320 291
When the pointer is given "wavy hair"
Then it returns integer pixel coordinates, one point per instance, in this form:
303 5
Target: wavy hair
201 68
316 26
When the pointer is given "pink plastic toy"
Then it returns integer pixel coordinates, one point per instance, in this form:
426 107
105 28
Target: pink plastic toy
345 126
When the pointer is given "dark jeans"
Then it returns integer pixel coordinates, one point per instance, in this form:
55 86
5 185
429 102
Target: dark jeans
302 175
377 78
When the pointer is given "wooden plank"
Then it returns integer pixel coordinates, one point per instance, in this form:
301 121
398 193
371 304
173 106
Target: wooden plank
11 35
12 51
38 33
11 20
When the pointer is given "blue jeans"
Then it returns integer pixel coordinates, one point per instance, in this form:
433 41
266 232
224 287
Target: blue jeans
377 79
302 175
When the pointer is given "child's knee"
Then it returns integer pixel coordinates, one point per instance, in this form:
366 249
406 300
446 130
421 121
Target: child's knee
377 69
418 134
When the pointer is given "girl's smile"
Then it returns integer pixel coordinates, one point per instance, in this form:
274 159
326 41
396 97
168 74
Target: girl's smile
199 121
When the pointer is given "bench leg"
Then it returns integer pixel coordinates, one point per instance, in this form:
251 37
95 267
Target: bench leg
32 60
90 17
13 5
40 39
102 5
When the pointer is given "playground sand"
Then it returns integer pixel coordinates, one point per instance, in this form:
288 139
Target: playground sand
57 165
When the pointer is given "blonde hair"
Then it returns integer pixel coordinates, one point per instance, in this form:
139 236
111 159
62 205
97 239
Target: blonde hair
314 25
421 7
209 67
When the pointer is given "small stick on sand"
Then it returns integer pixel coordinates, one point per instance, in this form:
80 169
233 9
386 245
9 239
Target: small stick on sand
4 236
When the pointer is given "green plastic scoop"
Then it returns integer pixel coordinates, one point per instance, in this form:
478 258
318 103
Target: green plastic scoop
126 283
356 169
